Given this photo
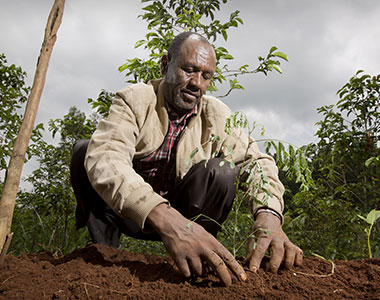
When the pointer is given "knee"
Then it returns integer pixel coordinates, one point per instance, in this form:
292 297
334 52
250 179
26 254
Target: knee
80 149
222 171
79 153
77 160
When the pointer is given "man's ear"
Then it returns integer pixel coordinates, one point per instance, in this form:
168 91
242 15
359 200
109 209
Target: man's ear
164 64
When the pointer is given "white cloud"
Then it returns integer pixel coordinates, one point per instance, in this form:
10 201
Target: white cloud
278 128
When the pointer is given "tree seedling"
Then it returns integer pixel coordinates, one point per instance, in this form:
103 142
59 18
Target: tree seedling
371 218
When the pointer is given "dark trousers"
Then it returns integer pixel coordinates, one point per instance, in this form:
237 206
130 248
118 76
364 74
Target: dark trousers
206 189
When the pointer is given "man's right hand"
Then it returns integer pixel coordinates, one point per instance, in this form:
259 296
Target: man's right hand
189 244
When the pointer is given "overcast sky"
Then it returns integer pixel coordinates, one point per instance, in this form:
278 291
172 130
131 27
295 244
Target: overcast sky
326 41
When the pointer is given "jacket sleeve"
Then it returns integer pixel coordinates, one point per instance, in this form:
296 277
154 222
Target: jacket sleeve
109 164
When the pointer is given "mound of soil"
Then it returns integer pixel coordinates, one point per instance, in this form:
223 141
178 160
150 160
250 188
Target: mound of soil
100 272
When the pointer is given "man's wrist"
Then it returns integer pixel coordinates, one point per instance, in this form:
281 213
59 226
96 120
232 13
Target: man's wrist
156 216
268 210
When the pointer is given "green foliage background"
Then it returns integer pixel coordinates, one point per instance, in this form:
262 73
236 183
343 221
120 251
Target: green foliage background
321 218
346 173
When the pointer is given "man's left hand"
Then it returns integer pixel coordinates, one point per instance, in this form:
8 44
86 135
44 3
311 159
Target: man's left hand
268 233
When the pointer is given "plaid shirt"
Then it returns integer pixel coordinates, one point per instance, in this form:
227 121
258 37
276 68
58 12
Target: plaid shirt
159 168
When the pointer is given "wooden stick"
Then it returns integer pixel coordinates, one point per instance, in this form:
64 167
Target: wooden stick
13 174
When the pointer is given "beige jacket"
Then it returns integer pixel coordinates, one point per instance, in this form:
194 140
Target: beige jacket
136 126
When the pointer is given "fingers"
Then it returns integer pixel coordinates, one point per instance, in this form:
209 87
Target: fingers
290 256
183 266
196 265
189 246
299 257
221 261
290 253
218 264
256 254
233 265
282 249
219 267
218 258
293 255
277 256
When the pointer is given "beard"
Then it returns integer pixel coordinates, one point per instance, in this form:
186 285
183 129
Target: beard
180 101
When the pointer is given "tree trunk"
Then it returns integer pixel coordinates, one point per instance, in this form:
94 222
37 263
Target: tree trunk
13 174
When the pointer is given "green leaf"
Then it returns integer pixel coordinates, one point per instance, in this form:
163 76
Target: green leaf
277 68
239 20
281 55
372 216
139 43
224 33
274 48
372 160
195 151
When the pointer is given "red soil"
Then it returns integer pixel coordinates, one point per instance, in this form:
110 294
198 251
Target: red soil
99 272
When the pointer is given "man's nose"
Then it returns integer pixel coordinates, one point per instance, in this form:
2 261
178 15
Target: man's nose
196 80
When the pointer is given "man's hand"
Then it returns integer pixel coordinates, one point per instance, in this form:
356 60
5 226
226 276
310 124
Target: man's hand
189 244
282 247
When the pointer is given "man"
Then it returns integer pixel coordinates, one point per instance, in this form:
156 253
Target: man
138 163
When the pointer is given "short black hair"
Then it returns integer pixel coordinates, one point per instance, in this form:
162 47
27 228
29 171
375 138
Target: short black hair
175 45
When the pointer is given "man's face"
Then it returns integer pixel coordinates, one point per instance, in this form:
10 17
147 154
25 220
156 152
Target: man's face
188 75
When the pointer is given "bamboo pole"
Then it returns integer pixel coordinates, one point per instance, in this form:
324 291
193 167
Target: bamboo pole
13 174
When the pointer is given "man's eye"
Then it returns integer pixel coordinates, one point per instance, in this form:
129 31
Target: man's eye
207 76
189 71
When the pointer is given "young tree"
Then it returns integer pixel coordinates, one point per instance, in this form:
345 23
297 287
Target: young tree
167 18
